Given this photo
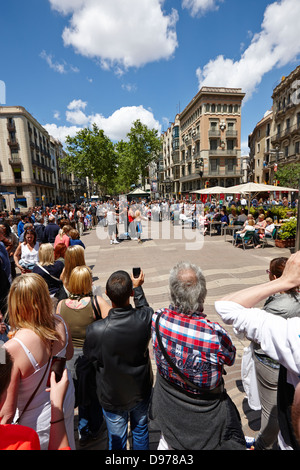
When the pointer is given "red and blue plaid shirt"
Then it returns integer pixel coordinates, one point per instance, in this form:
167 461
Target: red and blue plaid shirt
198 347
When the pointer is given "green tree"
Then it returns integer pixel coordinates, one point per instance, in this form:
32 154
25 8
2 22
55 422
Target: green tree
289 175
91 153
134 156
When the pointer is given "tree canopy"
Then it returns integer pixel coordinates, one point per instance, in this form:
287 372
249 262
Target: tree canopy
91 154
289 175
114 167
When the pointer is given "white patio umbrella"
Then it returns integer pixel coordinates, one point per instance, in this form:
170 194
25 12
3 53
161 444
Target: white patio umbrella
256 188
213 190
248 188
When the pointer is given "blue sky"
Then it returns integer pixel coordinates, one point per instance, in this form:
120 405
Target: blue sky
74 62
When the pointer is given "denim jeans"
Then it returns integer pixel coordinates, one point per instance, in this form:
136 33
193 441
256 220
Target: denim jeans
117 427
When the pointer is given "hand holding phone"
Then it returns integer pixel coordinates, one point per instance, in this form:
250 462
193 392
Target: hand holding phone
57 365
136 272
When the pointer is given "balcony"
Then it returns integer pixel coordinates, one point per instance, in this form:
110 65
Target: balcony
214 133
13 143
231 133
15 161
292 130
223 171
223 153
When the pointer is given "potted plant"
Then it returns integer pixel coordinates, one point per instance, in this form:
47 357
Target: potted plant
287 234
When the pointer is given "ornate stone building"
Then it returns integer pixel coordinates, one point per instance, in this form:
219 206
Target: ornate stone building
203 146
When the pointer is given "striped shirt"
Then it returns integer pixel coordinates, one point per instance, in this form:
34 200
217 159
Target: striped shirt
198 347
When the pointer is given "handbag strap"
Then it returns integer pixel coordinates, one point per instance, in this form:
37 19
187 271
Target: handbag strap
35 391
47 272
96 308
178 371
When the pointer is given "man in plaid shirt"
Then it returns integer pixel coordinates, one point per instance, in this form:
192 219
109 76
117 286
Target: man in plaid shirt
197 414
199 348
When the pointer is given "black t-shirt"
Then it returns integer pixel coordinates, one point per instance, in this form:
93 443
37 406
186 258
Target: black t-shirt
54 270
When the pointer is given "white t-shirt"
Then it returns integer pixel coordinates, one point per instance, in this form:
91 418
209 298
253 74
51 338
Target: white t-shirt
111 218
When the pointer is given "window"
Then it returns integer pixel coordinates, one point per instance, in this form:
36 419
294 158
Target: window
230 164
286 151
213 144
17 175
297 147
230 144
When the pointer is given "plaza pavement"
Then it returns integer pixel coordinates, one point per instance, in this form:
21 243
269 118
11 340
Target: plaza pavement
226 268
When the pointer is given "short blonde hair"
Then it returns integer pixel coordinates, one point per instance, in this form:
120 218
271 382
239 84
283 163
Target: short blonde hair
30 306
74 256
46 254
80 281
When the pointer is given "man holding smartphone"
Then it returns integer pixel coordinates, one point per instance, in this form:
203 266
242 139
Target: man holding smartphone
119 344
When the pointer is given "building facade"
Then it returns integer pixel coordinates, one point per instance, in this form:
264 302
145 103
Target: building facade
261 167
203 145
275 141
30 163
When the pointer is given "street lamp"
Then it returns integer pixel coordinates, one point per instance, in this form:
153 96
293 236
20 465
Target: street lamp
199 165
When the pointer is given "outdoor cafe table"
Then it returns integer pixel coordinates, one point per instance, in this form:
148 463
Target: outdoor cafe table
231 229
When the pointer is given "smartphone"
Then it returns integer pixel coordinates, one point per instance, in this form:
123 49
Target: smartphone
57 365
136 272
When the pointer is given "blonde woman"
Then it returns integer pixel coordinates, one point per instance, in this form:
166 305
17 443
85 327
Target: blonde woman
79 310
48 268
39 335
74 256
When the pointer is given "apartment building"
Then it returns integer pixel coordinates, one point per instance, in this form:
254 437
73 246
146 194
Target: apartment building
261 153
30 174
203 145
275 141
285 138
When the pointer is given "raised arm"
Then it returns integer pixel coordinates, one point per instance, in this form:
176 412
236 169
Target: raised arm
253 295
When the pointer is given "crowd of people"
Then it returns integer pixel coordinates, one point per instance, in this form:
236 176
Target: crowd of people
52 316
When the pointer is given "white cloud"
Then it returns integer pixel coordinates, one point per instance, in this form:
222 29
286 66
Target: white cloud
119 34
60 132
56 66
77 104
129 87
276 45
200 7
115 126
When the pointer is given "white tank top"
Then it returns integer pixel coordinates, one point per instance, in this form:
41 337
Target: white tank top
30 256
